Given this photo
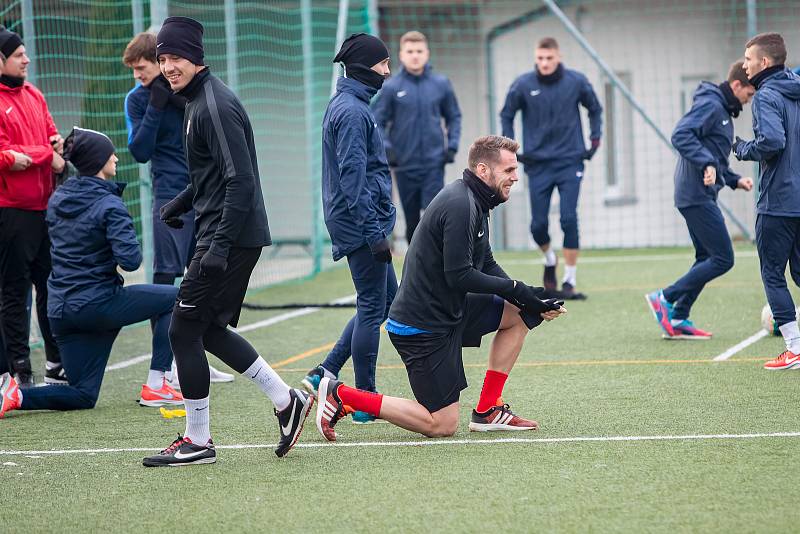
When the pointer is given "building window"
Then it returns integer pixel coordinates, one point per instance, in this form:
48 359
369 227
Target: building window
618 142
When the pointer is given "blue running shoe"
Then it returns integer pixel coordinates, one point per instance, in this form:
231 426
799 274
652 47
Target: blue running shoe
363 418
687 330
312 379
662 311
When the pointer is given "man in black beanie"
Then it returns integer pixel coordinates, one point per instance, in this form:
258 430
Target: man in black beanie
231 229
357 200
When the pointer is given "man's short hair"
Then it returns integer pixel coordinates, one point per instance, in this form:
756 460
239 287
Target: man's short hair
487 149
413 37
548 42
770 45
737 73
143 46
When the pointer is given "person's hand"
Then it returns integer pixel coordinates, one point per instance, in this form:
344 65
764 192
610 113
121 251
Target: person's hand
159 92
745 183
171 213
213 265
450 157
21 161
709 175
552 314
58 162
589 154
57 142
381 251
737 146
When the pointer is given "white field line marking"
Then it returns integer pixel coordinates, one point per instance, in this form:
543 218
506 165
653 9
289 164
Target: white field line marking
431 442
246 328
631 258
741 346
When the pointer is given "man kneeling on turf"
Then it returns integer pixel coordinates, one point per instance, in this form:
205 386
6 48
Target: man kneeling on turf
452 293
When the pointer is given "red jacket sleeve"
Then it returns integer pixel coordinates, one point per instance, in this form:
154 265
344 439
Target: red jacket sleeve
6 160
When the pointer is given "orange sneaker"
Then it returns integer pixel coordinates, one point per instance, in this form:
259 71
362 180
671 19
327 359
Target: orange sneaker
787 360
166 396
10 398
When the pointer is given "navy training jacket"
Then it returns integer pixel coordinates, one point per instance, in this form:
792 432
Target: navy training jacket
409 109
776 125
157 136
551 119
91 233
356 184
703 137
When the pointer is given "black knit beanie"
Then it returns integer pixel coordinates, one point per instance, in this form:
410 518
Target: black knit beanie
87 150
9 41
359 53
182 37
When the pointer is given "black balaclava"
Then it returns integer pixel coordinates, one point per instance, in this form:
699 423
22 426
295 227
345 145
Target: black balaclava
552 78
732 103
182 37
9 42
87 150
487 197
756 80
359 53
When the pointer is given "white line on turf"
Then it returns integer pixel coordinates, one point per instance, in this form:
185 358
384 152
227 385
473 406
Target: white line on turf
246 328
629 258
431 442
740 346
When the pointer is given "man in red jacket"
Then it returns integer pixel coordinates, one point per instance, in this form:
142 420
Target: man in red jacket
25 127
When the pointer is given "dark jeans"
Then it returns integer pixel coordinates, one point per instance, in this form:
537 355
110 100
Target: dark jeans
376 286
713 256
85 338
24 260
417 188
542 179
778 242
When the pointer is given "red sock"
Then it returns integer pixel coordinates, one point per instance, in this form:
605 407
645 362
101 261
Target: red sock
492 390
361 401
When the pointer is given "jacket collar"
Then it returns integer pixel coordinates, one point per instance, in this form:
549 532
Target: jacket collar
193 88
355 88
115 188
757 80
425 72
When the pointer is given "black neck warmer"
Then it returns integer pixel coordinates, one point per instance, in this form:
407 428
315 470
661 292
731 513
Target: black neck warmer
549 79
193 87
11 81
358 53
756 80
732 103
365 75
486 196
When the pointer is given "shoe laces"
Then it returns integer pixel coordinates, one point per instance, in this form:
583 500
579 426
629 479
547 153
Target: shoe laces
175 445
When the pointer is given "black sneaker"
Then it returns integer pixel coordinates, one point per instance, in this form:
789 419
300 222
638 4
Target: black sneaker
183 452
54 374
291 420
330 408
568 292
311 380
549 279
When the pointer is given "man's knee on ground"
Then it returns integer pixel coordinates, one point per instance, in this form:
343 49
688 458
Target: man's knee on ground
442 426
86 400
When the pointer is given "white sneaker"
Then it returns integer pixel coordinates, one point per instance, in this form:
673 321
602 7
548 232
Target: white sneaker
216 376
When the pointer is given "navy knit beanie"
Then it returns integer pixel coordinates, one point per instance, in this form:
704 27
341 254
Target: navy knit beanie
87 150
182 37
9 41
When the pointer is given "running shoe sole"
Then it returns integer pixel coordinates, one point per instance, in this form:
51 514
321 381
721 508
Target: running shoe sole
491 427
681 336
160 402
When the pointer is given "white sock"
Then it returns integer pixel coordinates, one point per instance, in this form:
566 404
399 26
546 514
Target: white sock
155 379
270 383
327 373
791 336
197 420
550 258
571 274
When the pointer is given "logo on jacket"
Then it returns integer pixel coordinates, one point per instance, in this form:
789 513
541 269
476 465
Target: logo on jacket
9 109
188 124
536 92
401 94
726 121
480 234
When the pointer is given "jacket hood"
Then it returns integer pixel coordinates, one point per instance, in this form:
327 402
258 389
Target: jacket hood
786 82
709 90
80 193
356 88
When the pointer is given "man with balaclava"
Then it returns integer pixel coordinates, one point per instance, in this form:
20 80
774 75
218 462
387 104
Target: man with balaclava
26 127
357 201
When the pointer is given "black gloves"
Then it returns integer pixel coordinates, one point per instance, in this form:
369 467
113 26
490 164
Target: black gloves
450 157
736 145
527 298
213 265
532 320
159 92
525 160
381 251
589 154
171 212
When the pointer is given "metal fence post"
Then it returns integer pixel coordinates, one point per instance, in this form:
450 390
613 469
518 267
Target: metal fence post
232 52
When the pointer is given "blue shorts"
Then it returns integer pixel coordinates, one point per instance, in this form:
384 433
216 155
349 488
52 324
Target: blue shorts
172 248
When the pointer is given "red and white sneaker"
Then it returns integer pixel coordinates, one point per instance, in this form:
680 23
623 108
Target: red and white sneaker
330 409
10 397
499 418
787 360
166 396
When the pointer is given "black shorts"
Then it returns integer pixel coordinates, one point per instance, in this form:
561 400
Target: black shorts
217 300
433 361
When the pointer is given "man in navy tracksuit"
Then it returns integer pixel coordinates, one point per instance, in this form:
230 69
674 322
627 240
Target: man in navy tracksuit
357 199
776 147
554 150
703 139
409 111
92 235
154 117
